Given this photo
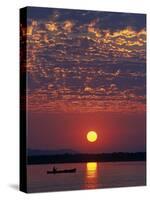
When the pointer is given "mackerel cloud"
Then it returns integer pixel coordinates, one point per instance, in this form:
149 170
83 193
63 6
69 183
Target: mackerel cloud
85 61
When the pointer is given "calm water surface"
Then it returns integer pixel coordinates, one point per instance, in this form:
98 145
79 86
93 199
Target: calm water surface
88 176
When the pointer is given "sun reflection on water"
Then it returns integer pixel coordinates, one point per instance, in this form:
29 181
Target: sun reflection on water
91 175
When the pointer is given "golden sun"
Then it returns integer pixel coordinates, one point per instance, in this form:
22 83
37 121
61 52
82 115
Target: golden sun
91 136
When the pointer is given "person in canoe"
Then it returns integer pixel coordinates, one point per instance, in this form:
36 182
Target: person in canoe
54 169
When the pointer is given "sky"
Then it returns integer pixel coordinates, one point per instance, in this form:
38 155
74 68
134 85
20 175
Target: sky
86 70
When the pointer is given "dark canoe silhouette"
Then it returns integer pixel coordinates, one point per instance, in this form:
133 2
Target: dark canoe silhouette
62 171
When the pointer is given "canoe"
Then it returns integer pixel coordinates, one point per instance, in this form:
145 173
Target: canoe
62 171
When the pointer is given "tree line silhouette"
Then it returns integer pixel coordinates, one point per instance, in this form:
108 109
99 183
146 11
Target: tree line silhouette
85 157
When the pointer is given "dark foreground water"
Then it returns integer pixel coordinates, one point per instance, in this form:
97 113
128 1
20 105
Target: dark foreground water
88 176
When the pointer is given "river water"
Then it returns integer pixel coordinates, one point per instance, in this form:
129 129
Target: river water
90 175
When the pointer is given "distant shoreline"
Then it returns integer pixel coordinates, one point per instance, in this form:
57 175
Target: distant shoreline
80 158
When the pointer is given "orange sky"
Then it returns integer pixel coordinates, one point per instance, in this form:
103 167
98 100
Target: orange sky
116 131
